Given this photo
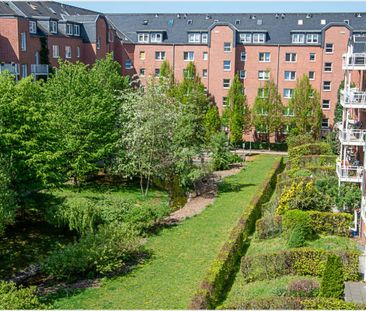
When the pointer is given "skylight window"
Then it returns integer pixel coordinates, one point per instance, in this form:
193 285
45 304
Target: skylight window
300 22
323 22
189 22
237 22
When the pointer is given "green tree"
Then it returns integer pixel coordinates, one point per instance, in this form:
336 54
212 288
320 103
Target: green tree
305 104
332 284
166 73
238 111
267 111
212 122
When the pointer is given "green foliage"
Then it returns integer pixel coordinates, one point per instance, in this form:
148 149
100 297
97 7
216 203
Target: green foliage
321 303
272 303
261 145
338 112
296 237
13 297
110 249
238 111
296 261
166 74
332 285
268 226
294 140
318 148
212 122
330 223
303 288
300 219
305 105
221 155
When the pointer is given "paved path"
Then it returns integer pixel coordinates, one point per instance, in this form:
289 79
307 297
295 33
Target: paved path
355 292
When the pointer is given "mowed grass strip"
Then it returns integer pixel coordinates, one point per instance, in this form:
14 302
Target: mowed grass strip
181 254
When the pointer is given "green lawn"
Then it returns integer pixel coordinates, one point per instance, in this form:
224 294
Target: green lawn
182 254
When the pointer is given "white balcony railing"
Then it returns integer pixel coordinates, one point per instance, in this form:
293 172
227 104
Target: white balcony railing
353 137
39 69
348 173
354 61
12 68
353 98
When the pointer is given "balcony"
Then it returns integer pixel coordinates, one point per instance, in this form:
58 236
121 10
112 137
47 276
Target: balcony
353 98
352 137
354 61
39 69
11 68
348 173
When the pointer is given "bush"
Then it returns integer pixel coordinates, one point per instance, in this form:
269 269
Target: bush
319 148
297 237
109 249
332 285
262 145
329 223
273 303
301 220
13 297
294 140
296 261
322 303
303 288
269 226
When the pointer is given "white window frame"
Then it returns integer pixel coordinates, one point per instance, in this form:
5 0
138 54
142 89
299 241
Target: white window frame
204 37
110 36
226 83
128 64
157 72
69 29
204 73
264 75
264 57
156 37
245 37
290 75
224 101
312 60
288 93
312 38
53 27
55 51
142 55
242 74
227 65
259 37
76 30
324 88
227 47
78 52
205 55
326 48
23 41
143 38
194 37
142 72
33 27
188 56
160 55
298 38
98 43
328 104
291 54
68 52
311 78
328 68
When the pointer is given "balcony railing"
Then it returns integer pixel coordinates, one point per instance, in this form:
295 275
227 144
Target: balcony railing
11 68
353 98
354 61
348 173
39 69
353 137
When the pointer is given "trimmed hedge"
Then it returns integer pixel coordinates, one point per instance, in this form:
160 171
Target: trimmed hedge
223 269
257 145
319 148
268 227
298 261
322 303
311 160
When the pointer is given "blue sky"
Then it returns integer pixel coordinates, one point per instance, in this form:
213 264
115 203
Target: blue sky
220 6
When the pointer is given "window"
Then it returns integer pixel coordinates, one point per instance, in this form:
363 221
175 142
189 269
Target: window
143 37
67 51
98 44
142 55
290 75
204 37
326 104
312 38
53 27
110 36
226 83
194 37
32 27
227 46
329 48
76 30
327 86
346 21
23 41
69 29
24 70
78 51
298 38
157 72
328 67
290 57
205 56
128 64
142 72
323 22
263 75
204 73
188 56
243 56
55 51
264 57
300 22
227 65
325 123
245 37
156 37
242 74
159 55
262 93
287 93
259 37
312 57
311 75
224 101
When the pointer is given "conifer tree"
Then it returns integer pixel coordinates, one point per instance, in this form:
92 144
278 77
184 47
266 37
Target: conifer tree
332 284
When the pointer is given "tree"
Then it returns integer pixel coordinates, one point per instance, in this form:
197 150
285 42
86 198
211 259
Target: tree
338 112
305 104
212 122
166 73
332 284
267 111
238 113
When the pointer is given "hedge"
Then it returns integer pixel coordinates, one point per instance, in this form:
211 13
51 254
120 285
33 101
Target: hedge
297 261
224 267
257 145
311 160
268 227
320 148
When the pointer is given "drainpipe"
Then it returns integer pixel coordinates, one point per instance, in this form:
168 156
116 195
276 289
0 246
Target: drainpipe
278 65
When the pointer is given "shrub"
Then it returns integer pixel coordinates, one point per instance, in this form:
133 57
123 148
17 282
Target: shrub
109 249
303 288
329 223
294 140
269 226
319 148
322 303
296 261
13 297
332 285
301 220
297 237
273 303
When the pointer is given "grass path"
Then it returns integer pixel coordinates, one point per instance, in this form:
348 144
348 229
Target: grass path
181 254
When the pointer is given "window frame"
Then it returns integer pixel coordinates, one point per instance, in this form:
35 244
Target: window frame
68 52
332 48
326 108
330 86
204 73
227 47
76 30
314 54
188 59
156 37
32 27
23 41
161 54
310 38
313 75
242 76
196 37
245 37
264 75
264 54
129 62
69 29
290 54
226 82
54 49
298 35
205 56
328 67
227 65
261 37
53 27
291 77
145 37
291 93
243 59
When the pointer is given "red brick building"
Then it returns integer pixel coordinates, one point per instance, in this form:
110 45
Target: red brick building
220 45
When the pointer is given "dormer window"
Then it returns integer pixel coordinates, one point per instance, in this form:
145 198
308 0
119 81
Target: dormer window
53 26
245 37
259 38
76 30
32 27
204 37
194 37
312 38
156 37
143 37
298 38
69 30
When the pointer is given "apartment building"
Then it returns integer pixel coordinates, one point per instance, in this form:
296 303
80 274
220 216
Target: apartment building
352 130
